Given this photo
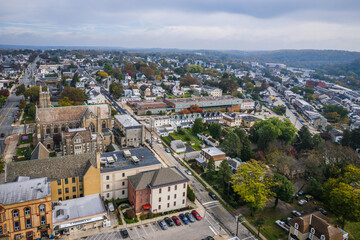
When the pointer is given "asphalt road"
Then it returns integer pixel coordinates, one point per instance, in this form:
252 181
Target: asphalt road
26 79
7 116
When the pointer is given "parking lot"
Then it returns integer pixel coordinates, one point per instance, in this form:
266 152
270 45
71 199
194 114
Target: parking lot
197 230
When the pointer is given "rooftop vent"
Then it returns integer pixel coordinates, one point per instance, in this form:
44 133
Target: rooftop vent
127 153
135 159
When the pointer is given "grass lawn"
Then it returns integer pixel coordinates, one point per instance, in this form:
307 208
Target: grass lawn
353 228
29 140
187 137
27 118
21 151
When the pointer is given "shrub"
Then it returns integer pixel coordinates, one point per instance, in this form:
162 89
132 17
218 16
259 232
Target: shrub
143 217
130 214
190 194
150 215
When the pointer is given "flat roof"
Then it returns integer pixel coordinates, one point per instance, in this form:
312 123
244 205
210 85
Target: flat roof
78 208
145 156
213 151
127 120
25 189
202 99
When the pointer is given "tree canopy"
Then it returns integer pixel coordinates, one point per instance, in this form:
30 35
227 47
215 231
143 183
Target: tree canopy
232 145
282 188
198 126
116 89
75 96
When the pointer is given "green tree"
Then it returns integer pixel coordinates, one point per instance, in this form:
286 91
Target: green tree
20 90
63 81
232 145
215 130
195 69
224 173
355 138
116 89
22 104
30 110
305 140
75 80
346 139
253 184
282 188
190 194
76 96
246 151
198 126
211 166
27 153
32 94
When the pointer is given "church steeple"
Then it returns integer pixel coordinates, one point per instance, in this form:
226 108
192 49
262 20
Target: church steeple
44 97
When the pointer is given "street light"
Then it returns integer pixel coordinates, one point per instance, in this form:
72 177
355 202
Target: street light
237 223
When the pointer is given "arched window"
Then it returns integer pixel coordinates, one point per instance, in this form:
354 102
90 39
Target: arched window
56 129
42 208
92 127
70 125
77 125
48 130
27 211
103 124
16 213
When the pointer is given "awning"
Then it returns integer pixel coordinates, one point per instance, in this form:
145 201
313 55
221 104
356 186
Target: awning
146 206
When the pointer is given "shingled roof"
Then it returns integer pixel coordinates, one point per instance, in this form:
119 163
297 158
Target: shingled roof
71 113
53 168
157 178
40 152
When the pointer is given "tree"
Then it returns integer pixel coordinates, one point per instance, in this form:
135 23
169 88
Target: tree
246 151
198 126
305 140
232 145
63 81
195 109
65 101
346 139
252 182
224 173
130 214
188 80
4 92
116 89
355 138
190 194
30 110
195 69
102 74
75 80
27 153
22 104
211 166
32 93
215 130
282 188
76 96
20 90
259 223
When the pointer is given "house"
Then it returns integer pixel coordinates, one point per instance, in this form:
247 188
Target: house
160 190
25 209
79 214
336 135
247 104
70 176
248 121
212 91
128 131
178 146
161 125
214 153
118 166
314 226
232 119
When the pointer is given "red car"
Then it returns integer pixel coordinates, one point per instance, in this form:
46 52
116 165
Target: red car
176 220
196 215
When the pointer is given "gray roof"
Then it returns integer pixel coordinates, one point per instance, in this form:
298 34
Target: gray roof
52 168
40 152
145 156
24 190
127 121
213 151
157 178
78 208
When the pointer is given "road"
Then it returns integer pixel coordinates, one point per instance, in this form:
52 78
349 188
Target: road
31 69
213 208
7 116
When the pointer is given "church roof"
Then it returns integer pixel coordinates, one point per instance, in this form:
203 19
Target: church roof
40 152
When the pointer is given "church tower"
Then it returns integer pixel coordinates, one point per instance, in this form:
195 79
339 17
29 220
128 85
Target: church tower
44 97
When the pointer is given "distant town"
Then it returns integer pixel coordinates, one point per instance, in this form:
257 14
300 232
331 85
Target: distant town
105 144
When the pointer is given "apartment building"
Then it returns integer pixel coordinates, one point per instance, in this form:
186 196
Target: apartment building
207 153
211 91
118 166
232 119
70 176
128 131
25 209
159 190
247 104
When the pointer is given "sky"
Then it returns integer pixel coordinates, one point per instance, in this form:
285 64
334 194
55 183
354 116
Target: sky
185 24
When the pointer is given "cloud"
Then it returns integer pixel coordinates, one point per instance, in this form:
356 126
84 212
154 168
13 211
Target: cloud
211 24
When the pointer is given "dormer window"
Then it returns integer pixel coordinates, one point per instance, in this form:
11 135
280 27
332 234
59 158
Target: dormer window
312 230
296 226
322 237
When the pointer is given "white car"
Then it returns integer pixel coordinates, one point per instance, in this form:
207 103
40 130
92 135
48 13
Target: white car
159 141
155 138
282 225
188 172
302 202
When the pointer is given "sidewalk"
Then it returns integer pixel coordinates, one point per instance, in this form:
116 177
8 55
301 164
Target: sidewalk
10 149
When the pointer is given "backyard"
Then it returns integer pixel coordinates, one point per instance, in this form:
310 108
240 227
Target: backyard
185 136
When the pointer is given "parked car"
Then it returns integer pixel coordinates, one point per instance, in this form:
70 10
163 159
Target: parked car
124 233
322 211
167 150
190 217
196 215
155 138
148 141
208 238
111 207
308 198
301 193
302 202
162 224
159 141
184 219
176 220
296 213
282 225
169 221
188 172
212 195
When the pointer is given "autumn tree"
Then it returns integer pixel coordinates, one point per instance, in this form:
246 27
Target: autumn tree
102 74
253 184
195 69
282 188
75 95
188 80
195 109
4 92
184 111
116 89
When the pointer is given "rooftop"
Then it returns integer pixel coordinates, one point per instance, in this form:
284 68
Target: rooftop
24 190
145 156
202 99
127 121
213 151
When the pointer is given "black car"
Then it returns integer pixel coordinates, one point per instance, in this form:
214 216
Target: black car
169 221
212 195
124 233
208 238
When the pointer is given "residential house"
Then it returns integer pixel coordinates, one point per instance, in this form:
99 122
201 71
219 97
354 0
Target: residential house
213 152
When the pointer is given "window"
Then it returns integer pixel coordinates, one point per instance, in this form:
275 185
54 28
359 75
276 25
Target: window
159 190
5 229
28 223
81 195
123 192
147 199
42 208
174 203
159 199
4 218
67 198
147 191
42 220
74 189
183 201
175 187
296 226
27 211
123 174
168 205
59 191
107 177
140 200
60 199
174 196
108 195
168 197
140 192
16 213
80 187
59 182
74 196
16 226
1 231
81 178
183 194
107 186
73 180
66 190
312 230
159 207
123 183
66 181
322 237
169 189
184 185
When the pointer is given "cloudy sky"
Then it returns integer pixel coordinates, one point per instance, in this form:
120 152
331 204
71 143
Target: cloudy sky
186 24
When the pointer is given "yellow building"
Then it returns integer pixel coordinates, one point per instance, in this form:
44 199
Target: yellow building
25 209
70 176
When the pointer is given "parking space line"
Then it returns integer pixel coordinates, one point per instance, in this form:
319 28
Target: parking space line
210 224
144 229
213 230
210 202
136 231
151 227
